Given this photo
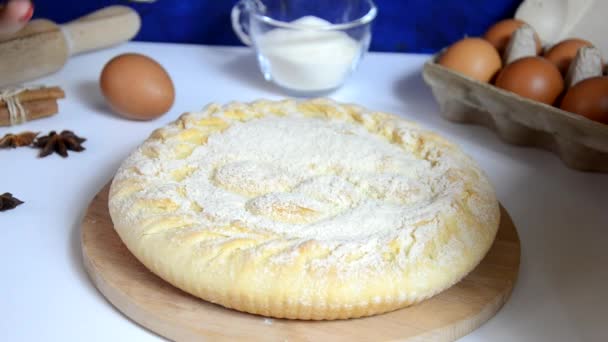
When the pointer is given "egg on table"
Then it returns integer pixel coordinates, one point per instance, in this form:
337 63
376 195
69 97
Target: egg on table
473 57
137 87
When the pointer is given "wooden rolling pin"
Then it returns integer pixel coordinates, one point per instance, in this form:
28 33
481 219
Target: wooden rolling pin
43 47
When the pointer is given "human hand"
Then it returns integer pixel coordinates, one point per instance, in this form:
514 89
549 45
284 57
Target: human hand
14 14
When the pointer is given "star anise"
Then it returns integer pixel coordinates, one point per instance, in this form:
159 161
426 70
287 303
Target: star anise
18 140
7 201
59 143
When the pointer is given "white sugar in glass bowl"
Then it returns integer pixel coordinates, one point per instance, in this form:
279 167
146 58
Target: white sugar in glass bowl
307 47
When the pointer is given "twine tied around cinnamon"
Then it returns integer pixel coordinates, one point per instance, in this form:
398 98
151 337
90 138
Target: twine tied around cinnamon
25 103
10 96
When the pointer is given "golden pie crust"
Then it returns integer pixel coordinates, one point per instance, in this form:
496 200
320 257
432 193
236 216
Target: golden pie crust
303 209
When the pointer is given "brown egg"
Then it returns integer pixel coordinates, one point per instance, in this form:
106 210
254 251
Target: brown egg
532 77
588 98
562 53
473 57
137 87
500 33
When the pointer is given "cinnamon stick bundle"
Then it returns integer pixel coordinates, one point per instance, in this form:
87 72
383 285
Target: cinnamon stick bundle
38 94
33 110
37 103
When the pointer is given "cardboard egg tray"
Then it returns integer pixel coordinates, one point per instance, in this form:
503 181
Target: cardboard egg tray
582 144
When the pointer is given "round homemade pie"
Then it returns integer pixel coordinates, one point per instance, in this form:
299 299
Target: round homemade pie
303 209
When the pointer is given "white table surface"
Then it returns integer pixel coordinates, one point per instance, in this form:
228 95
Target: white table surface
45 294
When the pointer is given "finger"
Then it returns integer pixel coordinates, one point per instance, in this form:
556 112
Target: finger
17 11
14 15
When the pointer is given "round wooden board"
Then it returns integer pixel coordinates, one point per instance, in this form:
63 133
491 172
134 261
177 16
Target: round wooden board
172 313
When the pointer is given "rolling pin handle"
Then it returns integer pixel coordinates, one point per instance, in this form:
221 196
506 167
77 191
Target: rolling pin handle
105 27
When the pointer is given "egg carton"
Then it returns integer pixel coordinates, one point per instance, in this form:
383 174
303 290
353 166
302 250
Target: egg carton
581 143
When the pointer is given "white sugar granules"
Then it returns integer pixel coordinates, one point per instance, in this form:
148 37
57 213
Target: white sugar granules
308 60
324 183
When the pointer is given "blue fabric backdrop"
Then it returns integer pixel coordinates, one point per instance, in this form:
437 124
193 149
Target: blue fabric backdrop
404 26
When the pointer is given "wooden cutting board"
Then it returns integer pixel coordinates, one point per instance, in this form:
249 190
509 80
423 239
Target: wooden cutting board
172 313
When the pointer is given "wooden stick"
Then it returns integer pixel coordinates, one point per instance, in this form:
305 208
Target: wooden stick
38 94
33 110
